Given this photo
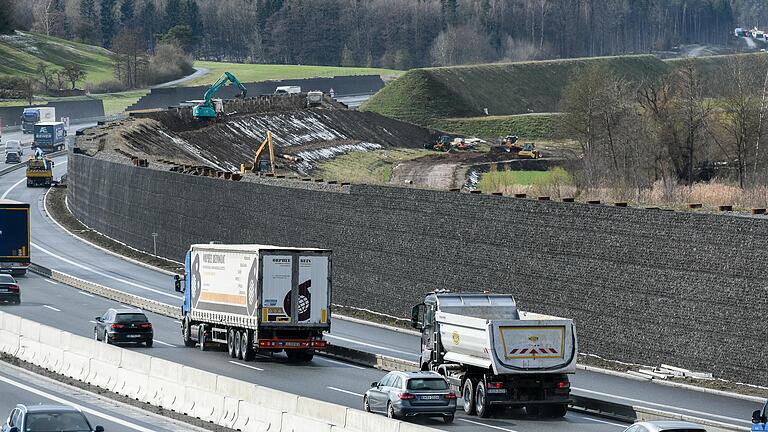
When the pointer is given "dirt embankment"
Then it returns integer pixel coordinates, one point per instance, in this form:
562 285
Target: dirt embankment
223 145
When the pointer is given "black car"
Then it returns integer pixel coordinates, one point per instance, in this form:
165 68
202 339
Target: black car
25 418
123 326
12 157
9 289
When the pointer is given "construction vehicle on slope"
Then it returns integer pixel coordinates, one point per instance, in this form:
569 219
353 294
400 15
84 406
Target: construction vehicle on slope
529 151
258 165
443 144
39 170
507 144
495 354
211 108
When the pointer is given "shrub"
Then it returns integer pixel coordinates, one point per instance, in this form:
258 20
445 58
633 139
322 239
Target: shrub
111 86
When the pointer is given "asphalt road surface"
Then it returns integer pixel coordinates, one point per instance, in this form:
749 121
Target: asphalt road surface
328 380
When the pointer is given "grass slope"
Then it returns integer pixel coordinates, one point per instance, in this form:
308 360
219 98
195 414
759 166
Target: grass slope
22 52
539 125
374 167
421 95
263 72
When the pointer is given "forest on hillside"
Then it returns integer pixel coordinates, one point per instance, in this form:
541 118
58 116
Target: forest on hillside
394 33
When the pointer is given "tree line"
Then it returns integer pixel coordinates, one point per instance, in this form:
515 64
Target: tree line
669 130
397 33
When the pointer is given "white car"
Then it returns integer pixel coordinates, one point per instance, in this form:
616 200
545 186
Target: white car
14 146
665 426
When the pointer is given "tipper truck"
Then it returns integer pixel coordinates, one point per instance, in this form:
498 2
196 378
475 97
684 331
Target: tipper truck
496 355
14 237
30 116
253 298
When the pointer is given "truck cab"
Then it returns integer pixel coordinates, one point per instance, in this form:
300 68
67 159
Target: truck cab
760 419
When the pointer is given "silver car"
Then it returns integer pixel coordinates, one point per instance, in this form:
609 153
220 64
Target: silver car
410 394
665 426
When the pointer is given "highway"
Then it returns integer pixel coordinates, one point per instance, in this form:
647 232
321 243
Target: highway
68 309
26 141
20 386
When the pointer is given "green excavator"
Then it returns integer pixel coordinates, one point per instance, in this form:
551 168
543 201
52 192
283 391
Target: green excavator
207 109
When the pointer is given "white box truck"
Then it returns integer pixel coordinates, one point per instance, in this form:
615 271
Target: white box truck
495 355
256 298
287 90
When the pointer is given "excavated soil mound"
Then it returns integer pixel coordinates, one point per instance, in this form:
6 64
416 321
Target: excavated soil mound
311 134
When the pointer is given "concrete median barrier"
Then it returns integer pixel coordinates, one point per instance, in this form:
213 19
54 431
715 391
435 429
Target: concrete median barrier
255 418
30 351
75 366
9 342
231 412
297 423
132 384
205 405
362 421
330 413
102 374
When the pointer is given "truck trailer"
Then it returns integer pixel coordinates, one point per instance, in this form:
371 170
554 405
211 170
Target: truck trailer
50 136
253 298
32 116
14 237
496 355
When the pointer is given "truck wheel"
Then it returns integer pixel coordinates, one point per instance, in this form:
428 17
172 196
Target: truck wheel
201 338
238 353
231 343
482 407
246 345
555 411
186 334
468 394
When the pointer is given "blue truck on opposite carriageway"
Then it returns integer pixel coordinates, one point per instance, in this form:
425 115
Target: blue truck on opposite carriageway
14 237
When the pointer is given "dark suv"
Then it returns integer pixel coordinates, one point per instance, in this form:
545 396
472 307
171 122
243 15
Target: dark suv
25 418
123 326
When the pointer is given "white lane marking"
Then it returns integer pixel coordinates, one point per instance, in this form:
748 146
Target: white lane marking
51 282
345 391
698 413
93 322
248 366
12 187
339 363
486 425
80 407
165 343
52 308
600 421
177 321
68 261
86 294
369 345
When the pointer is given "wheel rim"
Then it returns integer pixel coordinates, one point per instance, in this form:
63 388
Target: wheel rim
238 353
467 396
244 345
231 342
95 335
390 411
366 407
480 399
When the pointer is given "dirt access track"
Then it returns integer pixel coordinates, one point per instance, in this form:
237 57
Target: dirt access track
308 134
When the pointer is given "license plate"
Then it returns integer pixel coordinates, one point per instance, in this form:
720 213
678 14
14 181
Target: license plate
501 391
435 397
3 290
133 336
293 344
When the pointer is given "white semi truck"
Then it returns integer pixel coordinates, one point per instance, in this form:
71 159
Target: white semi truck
496 355
255 297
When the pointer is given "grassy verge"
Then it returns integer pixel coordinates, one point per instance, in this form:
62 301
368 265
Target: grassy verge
264 72
22 52
373 167
538 125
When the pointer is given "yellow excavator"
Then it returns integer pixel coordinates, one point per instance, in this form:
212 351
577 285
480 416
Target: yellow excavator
259 166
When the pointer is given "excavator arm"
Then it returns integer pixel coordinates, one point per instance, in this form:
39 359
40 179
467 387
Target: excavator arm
256 166
206 109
